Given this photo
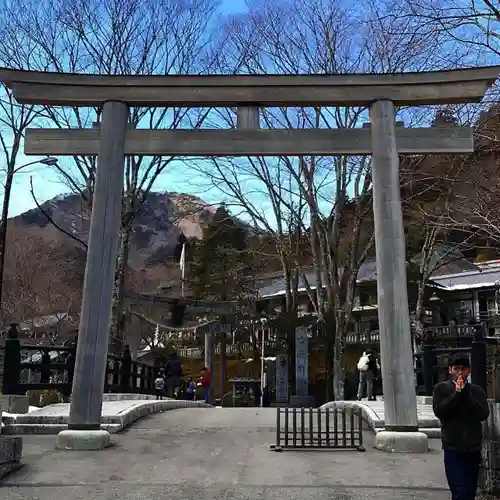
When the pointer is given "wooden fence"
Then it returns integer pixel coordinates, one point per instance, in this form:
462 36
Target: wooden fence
36 367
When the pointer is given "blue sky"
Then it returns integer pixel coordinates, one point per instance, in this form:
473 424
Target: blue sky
47 183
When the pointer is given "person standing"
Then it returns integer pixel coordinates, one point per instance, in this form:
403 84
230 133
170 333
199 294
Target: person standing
461 407
191 390
368 370
173 374
205 383
160 385
257 394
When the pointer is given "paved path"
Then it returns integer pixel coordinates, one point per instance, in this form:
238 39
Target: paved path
218 453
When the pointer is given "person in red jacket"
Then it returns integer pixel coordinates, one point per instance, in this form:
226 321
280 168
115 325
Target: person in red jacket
205 382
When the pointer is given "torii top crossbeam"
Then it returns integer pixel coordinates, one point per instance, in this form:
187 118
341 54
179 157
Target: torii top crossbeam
435 87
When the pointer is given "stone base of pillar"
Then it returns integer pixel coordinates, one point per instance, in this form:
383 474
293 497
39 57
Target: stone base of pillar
402 442
83 440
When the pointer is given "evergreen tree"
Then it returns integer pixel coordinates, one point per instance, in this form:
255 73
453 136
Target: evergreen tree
445 118
221 266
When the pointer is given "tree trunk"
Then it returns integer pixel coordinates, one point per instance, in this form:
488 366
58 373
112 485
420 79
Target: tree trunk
132 336
338 367
329 333
223 363
118 313
419 310
341 325
290 343
255 346
329 374
3 235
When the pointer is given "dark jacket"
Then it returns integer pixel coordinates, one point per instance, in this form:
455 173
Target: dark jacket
372 364
173 367
461 414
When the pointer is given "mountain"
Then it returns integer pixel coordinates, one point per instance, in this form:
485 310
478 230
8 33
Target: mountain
44 268
163 217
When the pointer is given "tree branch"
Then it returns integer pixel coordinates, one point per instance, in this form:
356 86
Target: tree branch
51 220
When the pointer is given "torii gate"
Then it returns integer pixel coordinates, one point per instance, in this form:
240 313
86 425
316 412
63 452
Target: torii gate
381 93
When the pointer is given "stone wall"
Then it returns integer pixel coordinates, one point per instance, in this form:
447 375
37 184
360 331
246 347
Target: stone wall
489 480
2 353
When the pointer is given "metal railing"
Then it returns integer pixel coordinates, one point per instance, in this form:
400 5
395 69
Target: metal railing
318 428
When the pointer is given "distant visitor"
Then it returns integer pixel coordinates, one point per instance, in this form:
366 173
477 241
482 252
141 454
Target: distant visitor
173 375
191 390
368 371
205 383
160 385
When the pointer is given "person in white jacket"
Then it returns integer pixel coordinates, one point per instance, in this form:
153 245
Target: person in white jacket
368 370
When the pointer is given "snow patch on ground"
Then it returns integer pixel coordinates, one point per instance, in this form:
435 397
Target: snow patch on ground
6 414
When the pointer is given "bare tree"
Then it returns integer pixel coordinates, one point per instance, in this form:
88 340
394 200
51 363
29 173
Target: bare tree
318 36
473 26
431 188
478 200
14 119
264 193
39 281
114 37
451 204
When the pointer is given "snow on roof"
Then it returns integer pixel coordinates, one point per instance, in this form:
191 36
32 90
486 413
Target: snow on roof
487 278
464 275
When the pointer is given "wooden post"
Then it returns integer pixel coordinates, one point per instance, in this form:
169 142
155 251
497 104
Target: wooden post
222 358
208 347
248 117
479 357
92 350
428 367
209 357
400 407
12 362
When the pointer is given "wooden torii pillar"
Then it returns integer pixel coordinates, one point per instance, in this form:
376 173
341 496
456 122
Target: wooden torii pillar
247 93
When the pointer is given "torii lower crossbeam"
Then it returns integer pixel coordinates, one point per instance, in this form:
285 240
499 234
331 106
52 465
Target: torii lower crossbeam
239 142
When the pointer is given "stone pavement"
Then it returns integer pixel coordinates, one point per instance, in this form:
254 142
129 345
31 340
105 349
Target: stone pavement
218 453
